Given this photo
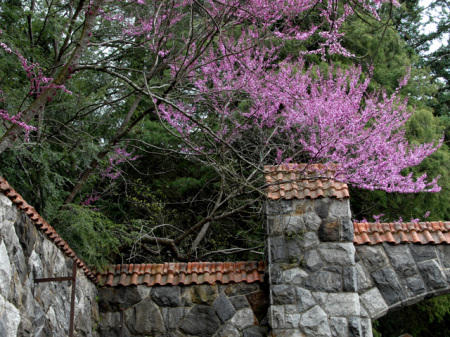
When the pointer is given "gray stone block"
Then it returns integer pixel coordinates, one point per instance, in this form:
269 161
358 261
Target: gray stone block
324 281
338 326
363 278
200 321
374 303
292 317
312 261
173 316
294 252
423 252
239 302
145 319
432 274
314 323
347 230
277 249
389 286
445 255
373 257
339 209
276 207
330 230
275 225
322 207
294 224
342 304
294 275
349 279
283 294
309 240
401 259
342 254
304 299
276 316
224 308
275 274
166 296
366 326
312 221
243 318
354 327
413 286
228 330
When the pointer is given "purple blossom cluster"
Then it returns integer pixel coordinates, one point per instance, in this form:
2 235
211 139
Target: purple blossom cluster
119 156
38 84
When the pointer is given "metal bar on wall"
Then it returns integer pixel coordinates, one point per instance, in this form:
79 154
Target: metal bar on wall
72 278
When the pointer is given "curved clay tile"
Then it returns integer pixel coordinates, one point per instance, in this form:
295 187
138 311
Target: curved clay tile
436 232
183 273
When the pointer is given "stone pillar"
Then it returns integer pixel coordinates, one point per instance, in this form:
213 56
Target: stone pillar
311 257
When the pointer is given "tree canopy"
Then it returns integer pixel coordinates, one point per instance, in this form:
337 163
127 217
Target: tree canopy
148 123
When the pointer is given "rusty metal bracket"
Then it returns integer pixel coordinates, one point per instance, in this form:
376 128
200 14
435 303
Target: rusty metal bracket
72 278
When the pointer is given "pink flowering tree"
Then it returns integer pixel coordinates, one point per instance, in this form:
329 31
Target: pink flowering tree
217 76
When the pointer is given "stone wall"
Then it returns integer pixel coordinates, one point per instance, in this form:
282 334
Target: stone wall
312 269
393 276
322 285
38 309
230 310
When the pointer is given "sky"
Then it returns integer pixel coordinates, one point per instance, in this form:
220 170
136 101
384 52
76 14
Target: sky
430 27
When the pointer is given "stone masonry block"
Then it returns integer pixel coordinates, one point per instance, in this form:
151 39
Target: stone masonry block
275 225
342 304
304 299
349 278
432 274
423 252
276 316
322 207
347 231
413 286
309 240
283 294
294 275
339 209
389 286
279 207
311 221
338 326
373 257
314 323
366 327
401 259
374 303
324 280
294 224
292 316
445 255
330 230
363 279
302 206
354 327
312 261
277 249
342 254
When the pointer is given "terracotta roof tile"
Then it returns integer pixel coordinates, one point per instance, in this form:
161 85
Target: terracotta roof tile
43 226
434 232
303 181
182 273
